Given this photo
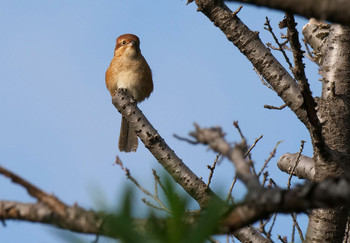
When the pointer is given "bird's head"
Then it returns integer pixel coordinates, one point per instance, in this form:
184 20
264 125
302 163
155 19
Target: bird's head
127 45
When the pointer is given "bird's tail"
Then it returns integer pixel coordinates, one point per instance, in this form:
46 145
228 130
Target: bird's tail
127 139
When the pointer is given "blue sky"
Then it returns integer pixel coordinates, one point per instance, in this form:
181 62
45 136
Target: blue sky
59 129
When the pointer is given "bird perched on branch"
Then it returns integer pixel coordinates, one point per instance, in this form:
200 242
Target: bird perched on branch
129 70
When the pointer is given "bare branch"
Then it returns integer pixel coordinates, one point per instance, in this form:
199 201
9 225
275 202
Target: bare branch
229 195
274 107
300 76
305 168
331 10
185 139
212 168
235 124
51 201
78 219
272 154
280 46
214 137
295 223
331 192
161 151
249 43
144 190
250 234
254 144
295 164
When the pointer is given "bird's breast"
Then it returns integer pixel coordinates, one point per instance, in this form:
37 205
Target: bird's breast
133 75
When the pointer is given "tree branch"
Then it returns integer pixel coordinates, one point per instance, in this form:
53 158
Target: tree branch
299 74
305 168
332 10
329 193
249 43
192 184
215 139
51 201
77 219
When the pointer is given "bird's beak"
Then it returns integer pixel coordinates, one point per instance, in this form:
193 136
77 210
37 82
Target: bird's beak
132 43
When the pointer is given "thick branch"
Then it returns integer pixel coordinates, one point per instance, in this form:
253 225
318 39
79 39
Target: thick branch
77 219
250 234
316 35
249 43
332 10
330 193
305 168
299 74
161 151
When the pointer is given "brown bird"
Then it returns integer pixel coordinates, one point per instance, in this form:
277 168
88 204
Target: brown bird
129 70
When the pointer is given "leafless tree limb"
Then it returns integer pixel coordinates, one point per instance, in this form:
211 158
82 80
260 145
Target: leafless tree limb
280 46
331 10
299 74
270 107
295 164
51 201
214 137
193 185
249 43
272 154
212 168
144 190
77 219
305 168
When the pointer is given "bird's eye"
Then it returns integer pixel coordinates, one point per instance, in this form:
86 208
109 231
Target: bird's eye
124 42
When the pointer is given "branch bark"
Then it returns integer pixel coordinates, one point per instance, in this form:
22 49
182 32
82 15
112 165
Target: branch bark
334 113
192 184
305 169
332 10
249 43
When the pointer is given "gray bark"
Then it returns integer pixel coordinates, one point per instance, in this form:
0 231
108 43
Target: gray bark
328 225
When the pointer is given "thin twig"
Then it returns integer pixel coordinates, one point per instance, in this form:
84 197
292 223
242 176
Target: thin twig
237 11
269 29
154 206
295 223
266 174
305 55
263 80
212 168
144 190
235 124
272 183
185 139
272 154
251 147
157 178
283 240
295 164
272 224
229 195
262 225
271 107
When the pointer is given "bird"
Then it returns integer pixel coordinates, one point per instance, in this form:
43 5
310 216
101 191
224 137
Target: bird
129 70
